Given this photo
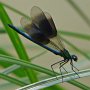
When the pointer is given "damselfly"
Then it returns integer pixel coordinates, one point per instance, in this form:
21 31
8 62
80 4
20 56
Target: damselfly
41 30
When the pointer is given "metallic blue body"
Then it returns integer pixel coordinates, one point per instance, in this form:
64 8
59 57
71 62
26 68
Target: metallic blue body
30 38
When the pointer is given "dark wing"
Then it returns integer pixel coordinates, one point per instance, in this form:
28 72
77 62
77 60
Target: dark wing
32 30
57 39
41 21
45 23
51 22
42 29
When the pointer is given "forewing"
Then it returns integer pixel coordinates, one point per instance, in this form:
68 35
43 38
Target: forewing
37 28
51 22
32 30
41 21
26 24
57 39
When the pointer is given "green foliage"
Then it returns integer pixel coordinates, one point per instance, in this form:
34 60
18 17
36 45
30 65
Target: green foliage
22 54
16 41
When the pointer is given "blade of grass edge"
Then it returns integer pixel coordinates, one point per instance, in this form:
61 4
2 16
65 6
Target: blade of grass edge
79 11
76 49
16 41
16 11
4 58
12 80
52 81
14 67
34 78
21 83
2 31
2 51
67 33
76 35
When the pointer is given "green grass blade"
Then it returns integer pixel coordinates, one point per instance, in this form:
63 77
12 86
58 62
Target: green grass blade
12 60
25 16
2 31
87 37
76 48
76 35
66 33
54 88
4 58
79 11
2 51
51 88
52 81
14 10
38 55
14 67
16 42
80 85
12 80
19 73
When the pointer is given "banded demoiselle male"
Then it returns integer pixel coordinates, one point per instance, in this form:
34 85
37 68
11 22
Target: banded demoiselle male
41 30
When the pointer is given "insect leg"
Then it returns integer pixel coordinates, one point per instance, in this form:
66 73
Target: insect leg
65 69
72 66
55 64
61 66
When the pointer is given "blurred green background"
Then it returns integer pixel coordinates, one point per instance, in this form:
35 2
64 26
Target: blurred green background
72 20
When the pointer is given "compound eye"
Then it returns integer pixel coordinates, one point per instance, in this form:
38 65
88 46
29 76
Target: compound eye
74 58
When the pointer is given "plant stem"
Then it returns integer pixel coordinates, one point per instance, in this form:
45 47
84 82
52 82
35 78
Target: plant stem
4 58
16 42
79 11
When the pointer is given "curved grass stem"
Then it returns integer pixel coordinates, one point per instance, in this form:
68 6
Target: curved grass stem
52 81
12 60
